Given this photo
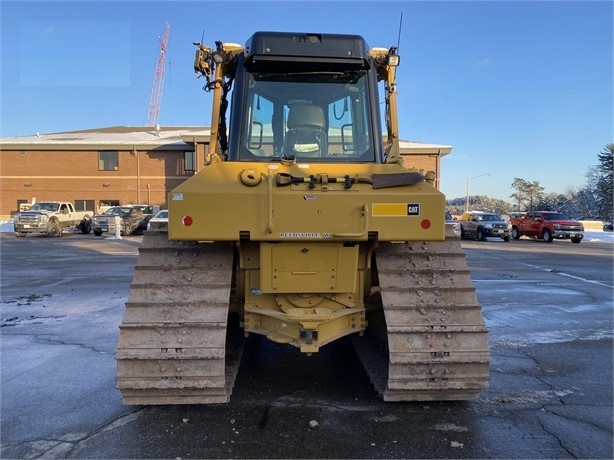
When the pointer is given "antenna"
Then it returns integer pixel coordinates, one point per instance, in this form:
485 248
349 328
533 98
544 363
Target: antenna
158 82
399 37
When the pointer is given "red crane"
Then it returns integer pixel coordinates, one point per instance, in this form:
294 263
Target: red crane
158 82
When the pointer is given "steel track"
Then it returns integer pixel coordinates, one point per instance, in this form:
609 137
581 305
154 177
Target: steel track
176 344
431 341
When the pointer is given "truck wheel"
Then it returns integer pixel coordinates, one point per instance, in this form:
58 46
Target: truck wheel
515 233
21 234
86 226
53 229
576 240
480 235
97 233
547 236
127 229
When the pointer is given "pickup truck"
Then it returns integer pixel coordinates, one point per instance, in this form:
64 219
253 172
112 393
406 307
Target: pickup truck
547 226
51 217
481 225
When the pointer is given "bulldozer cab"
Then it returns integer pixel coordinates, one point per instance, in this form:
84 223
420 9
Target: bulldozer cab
305 118
290 109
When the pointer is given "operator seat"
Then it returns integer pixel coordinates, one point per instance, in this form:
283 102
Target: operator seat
306 135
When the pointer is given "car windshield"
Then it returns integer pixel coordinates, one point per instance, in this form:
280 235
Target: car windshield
162 215
555 216
489 217
44 207
114 211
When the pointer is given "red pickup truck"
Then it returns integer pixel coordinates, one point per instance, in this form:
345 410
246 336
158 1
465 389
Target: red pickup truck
547 225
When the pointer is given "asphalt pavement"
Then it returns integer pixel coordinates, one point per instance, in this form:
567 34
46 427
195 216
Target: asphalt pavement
548 308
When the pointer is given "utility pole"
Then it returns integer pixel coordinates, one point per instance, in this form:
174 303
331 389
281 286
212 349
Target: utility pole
469 182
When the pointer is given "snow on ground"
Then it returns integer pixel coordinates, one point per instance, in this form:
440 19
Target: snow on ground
608 237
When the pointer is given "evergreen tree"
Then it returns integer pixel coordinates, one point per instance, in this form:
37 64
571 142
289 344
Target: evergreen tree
605 180
528 194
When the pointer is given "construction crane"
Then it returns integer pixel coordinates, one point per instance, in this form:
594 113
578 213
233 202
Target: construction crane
158 82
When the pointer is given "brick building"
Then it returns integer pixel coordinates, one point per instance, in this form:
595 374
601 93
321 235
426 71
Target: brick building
122 165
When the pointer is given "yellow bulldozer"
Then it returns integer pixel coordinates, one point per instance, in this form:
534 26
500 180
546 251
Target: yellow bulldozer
305 227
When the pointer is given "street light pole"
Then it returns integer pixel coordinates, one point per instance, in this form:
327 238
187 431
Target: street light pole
468 183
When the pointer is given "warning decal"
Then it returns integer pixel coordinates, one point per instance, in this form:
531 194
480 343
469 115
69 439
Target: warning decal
395 209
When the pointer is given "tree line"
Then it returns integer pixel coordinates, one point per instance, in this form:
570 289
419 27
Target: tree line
594 200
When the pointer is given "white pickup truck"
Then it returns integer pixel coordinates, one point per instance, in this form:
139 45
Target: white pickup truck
51 217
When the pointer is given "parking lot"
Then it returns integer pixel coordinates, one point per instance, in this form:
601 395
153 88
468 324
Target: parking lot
548 308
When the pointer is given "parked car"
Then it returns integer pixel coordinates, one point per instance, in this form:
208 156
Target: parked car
132 220
160 216
149 211
481 225
453 224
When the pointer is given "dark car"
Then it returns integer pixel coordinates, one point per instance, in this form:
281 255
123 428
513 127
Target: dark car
149 211
132 219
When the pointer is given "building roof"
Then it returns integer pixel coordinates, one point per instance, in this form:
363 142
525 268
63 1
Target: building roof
115 137
422 148
147 138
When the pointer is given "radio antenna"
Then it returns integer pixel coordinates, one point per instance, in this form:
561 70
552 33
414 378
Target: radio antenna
399 37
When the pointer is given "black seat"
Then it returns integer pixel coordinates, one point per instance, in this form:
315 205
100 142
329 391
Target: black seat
306 135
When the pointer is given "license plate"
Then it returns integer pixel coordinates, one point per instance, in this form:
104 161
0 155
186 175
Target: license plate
26 226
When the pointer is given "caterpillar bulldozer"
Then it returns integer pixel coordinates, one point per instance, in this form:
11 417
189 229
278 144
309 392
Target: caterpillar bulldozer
305 227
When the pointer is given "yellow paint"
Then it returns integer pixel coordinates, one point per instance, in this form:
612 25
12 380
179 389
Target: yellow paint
389 209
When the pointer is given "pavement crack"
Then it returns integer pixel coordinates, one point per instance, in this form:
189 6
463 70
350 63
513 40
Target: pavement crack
121 421
117 422
62 448
42 448
555 436
575 420
45 339
42 339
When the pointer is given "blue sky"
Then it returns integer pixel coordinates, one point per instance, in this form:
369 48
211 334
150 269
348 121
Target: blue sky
519 89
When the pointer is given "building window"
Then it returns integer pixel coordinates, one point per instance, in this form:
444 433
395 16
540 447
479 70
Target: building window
188 161
84 205
108 160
